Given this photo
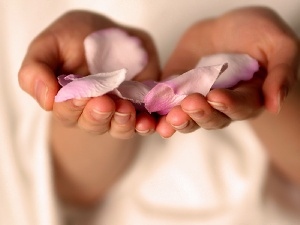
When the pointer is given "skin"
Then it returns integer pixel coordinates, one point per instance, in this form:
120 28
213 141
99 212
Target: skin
273 44
280 136
80 126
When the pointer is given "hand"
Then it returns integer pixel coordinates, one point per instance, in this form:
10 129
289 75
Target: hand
59 50
256 31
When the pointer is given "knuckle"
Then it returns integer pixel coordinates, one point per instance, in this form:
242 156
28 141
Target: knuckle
62 118
215 121
95 130
216 125
122 135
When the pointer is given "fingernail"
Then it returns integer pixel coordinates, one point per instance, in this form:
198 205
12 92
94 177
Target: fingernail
197 114
143 132
79 102
98 115
281 97
217 105
182 126
121 118
41 92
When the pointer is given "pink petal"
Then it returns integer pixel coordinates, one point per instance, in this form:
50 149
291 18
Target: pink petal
240 67
65 79
91 86
132 90
113 49
162 99
165 95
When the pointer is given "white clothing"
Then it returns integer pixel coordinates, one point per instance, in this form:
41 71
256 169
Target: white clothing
207 177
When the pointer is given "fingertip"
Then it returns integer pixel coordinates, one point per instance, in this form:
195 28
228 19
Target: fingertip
123 105
102 104
124 113
193 103
276 86
145 123
123 120
164 129
219 95
274 102
177 118
38 80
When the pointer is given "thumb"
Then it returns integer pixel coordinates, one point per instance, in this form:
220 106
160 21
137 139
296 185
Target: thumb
36 75
38 80
282 73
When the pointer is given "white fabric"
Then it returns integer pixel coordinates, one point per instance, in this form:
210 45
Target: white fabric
185 183
208 177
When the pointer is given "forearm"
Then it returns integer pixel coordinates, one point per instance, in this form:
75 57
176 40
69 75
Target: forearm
87 165
281 136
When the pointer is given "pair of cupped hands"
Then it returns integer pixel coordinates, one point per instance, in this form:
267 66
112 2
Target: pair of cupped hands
259 32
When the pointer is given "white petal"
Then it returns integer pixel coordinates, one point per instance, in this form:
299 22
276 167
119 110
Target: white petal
91 86
112 49
240 67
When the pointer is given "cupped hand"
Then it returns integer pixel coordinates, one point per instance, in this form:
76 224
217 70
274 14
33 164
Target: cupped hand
59 50
256 31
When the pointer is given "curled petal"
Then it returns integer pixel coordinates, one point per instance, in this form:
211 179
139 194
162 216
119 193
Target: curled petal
63 80
132 90
240 67
91 86
162 99
113 49
165 95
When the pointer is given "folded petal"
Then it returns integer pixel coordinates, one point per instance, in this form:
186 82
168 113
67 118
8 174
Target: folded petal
240 67
113 49
132 90
90 86
165 95
65 79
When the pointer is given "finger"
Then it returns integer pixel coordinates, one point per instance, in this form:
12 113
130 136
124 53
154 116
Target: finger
203 114
277 85
145 124
164 129
38 80
242 102
123 121
36 75
97 114
68 112
282 72
181 121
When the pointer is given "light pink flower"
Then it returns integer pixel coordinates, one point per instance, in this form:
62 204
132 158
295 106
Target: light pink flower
113 49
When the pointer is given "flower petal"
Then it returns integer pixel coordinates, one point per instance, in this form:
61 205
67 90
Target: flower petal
162 99
113 49
91 86
63 80
165 95
132 90
240 67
